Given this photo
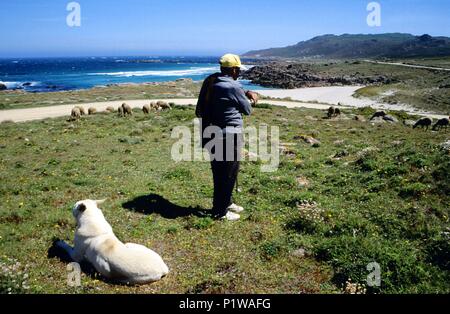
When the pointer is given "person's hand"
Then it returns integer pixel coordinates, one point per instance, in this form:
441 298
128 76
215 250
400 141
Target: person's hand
252 96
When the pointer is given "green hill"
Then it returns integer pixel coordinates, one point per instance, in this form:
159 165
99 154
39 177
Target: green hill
361 46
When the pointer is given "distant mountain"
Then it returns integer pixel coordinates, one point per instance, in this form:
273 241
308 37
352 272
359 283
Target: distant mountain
361 46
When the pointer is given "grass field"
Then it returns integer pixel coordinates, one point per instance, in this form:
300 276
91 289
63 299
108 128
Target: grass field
367 193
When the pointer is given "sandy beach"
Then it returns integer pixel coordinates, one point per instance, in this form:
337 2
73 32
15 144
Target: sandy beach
337 94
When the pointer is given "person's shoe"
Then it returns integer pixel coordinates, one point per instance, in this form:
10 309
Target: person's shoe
235 208
230 216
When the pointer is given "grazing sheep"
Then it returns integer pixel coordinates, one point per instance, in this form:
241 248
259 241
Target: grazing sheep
163 105
331 112
378 114
153 106
92 111
120 111
110 109
76 114
127 109
146 109
82 111
423 123
442 123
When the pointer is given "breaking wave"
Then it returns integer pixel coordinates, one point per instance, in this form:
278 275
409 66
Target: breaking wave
188 72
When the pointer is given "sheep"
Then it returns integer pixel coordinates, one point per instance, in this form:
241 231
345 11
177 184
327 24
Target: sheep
153 106
92 111
82 111
331 112
76 113
423 123
441 123
378 114
163 105
146 109
120 111
110 109
127 109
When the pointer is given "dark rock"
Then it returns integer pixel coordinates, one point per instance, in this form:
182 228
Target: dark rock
378 114
310 140
390 118
359 118
341 154
297 75
3 86
299 253
377 120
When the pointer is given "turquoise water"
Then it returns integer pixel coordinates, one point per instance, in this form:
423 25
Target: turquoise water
56 74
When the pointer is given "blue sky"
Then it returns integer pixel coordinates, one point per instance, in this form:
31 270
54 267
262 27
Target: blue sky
199 27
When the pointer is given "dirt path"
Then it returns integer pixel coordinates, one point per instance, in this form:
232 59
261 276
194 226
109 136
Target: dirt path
29 114
409 65
22 115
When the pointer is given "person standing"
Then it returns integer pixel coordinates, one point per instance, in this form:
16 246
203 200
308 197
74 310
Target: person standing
222 103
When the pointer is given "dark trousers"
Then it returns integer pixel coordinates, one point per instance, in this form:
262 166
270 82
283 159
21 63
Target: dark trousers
225 172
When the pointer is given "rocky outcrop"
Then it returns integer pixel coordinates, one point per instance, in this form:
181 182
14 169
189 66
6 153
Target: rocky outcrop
298 75
3 86
409 123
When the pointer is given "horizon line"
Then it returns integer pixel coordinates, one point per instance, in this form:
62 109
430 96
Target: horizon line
152 55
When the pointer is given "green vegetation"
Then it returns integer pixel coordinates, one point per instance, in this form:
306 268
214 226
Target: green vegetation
368 193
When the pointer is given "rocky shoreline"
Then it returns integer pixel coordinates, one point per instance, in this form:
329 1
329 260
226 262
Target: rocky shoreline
298 75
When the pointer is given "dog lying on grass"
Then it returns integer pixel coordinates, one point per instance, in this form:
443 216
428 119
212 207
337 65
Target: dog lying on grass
95 241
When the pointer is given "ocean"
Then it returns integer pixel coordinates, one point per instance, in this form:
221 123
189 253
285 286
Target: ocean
60 74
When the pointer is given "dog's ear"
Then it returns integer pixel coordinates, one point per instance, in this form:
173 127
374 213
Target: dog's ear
81 208
100 202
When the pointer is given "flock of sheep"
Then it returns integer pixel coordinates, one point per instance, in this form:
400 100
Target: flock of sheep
126 110
123 110
422 123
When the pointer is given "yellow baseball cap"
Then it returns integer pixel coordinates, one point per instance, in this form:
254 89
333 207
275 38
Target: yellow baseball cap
231 61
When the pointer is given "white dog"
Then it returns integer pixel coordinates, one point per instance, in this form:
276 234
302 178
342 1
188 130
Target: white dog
95 241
